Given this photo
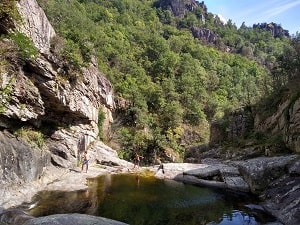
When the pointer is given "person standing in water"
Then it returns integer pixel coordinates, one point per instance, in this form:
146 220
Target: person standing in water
85 162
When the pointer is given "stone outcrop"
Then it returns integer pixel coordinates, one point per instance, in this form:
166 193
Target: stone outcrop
276 30
282 200
180 8
35 24
204 34
210 173
285 121
19 162
274 179
240 123
66 112
260 172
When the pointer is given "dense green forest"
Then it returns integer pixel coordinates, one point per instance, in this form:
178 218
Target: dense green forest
172 84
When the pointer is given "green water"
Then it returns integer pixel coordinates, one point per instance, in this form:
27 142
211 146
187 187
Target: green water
139 200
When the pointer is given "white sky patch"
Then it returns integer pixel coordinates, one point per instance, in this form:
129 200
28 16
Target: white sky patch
281 8
222 18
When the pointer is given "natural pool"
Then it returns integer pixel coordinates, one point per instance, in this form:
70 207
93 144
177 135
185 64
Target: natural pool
145 200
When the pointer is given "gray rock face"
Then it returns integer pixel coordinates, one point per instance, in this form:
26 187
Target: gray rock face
240 123
13 217
277 179
284 121
211 174
36 24
260 172
180 8
275 29
283 200
42 94
204 34
65 111
26 102
42 97
19 162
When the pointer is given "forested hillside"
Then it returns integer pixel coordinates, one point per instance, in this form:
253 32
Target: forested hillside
170 80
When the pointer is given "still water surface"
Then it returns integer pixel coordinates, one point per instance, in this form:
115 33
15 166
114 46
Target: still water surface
145 200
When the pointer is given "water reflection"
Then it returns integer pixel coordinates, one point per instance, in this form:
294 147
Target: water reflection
139 200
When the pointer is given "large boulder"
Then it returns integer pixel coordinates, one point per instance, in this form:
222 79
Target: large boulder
72 219
260 172
13 217
18 217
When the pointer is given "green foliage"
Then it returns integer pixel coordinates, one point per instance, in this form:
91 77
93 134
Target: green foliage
8 13
101 118
35 138
7 8
26 48
5 94
167 77
7 53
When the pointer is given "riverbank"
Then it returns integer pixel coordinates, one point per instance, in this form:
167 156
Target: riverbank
256 176
72 179
53 178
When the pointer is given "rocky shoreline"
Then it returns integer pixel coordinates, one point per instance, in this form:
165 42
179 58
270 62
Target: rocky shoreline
54 178
275 179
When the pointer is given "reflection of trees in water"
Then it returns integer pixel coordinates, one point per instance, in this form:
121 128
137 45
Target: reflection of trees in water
55 202
82 201
97 191
140 200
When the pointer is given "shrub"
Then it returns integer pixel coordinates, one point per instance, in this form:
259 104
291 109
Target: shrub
5 93
36 138
8 13
26 48
101 118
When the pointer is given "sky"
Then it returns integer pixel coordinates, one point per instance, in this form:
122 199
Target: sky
283 12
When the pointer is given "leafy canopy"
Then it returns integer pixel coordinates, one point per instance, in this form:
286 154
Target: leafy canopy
169 79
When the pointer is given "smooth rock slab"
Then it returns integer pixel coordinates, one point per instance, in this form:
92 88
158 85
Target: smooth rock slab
236 183
72 219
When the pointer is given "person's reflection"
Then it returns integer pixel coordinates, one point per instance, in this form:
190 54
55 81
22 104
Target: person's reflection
87 193
137 178
106 184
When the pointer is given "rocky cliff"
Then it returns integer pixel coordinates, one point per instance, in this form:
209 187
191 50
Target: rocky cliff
282 123
285 121
48 118
276 30
180 8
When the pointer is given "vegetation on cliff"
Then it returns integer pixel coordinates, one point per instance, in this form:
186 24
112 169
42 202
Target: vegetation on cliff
169 84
